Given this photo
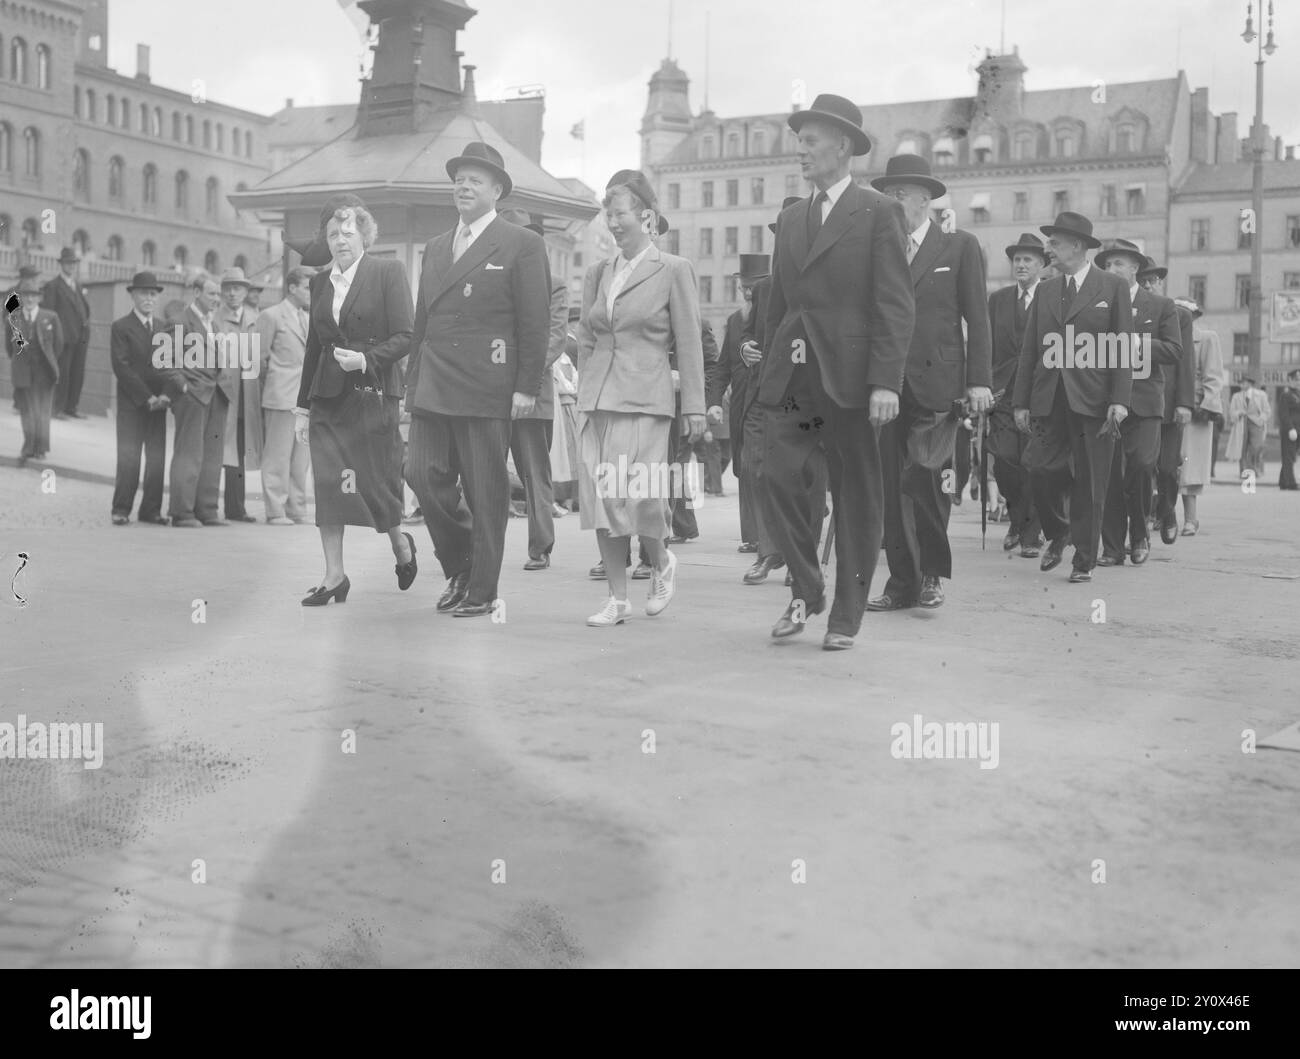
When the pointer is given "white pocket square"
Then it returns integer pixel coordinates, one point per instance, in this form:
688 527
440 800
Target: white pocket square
945 268
1102 305
489 267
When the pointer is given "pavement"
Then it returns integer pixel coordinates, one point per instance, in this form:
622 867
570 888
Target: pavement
376 784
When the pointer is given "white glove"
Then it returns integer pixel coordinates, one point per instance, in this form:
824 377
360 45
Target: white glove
350 360
715 414
301 420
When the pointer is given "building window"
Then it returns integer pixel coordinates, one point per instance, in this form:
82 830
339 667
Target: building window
1020 211
221 137
207 135
706 289
706 242
731 287
212 197
31 233
1291 280
144 118
124 114
32 144
92 104
182 190
1196 289
1240 347
674 196
1064 143
113 248
110 109
18 61
1201 233
148 253
1290 353
241 262
180 257
6 229
1293 230
792 186
706 148
1022 147
115 167
1135 201
577 259
706 193
81 175
756 190
755 238
979 215
81 242
149 186
1125 139
1243 292
731 241
674 242
1107 207
1060 201
248 144
234 142
156 123
733 145
982 149
189 129
211 263
76 102
945 151
6 147
176 125
1243 239
733 192
42 67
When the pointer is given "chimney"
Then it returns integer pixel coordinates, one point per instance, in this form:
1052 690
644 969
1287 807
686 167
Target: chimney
142 62
468 97
1227 146
1200 145
288 103
1290 154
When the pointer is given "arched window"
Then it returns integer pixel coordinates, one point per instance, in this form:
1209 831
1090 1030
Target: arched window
182 190
235 141
6 147
32 142
76 102
212 198
945 151
176 125
113 250
2 55
1022 148
42 66
156 123
81 174
149 188
211 262
116 168
1064 143
982 149
6 229
31 232
18 60
207 135
221 137
92 113
1125 139
144 118
241 186
906 146
248 144
110 111
189 128
125 120
241 262
81 242
148 253
180 258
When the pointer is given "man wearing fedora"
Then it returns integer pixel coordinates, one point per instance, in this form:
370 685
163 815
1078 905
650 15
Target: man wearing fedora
1133 466
1074 411
482 330
943 366
64 296
1008 315
142 404
839 322
243 438
34 341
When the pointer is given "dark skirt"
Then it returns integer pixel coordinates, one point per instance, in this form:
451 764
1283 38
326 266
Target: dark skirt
357 474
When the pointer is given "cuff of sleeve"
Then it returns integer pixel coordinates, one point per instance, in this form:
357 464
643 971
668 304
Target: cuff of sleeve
301 412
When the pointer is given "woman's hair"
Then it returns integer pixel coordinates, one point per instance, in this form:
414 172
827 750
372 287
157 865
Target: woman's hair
365 223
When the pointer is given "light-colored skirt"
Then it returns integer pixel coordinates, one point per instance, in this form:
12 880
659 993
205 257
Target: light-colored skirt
624 476
564 443
1198 450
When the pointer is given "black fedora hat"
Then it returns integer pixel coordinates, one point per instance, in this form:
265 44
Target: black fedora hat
1075 224
315 253
1151 269
790 200
68 256
754 267
485 156
910 169
1116 248
145 281
840 112
1029 243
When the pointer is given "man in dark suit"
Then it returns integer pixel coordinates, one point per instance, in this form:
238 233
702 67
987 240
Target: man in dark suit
840 317
1073 391
482 325
1133 467
1180 398
141 404
943 366
1288 426
65 297
34 339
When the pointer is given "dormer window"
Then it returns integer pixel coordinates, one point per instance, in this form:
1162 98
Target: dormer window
907 146
945 151
1064 143
982 149
1125 139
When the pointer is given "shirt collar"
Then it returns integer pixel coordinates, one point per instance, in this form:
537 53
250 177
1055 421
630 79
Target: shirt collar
1031 290
143 319
68 280
1079 275
632 263
347 276
205 317
921 231
476 227
1133 292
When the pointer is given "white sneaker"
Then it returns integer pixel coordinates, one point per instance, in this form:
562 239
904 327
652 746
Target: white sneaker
662 587
614 612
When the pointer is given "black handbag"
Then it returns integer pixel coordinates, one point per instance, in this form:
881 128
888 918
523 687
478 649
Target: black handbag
378 414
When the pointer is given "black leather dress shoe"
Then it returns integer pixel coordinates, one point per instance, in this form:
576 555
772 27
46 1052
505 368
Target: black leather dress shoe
466 609
747 546
154 520
1140 553
1110 560
597 572
1169 528
1011 540
836 641
540 562
76 415
888 600
931 594
214 522
642 572
454 594
406 571
757 573
120 520
787 625
1052 556
1079 577
1031 549
675 539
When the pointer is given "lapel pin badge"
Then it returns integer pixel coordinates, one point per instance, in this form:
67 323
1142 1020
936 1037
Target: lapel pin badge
469 289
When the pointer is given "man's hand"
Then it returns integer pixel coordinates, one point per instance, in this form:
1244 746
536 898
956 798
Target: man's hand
1117 412
715 414
677 380
882 406
1022 420
980 398
1291 434
155 403
521 404
350 360
1182 415
693 427
750 354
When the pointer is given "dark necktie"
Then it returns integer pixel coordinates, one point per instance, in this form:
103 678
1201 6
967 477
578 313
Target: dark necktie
1070 291
815 219
1022 311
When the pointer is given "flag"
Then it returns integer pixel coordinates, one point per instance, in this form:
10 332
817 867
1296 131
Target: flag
579 132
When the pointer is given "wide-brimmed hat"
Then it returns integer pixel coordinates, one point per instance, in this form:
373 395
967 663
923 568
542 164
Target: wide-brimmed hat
910 169
68 256
234 277
754 267
28 285
28 271
344 201
1075 224
315 253
790 200
1028 242
840 112
485 156
1117 247
144 281
1152 269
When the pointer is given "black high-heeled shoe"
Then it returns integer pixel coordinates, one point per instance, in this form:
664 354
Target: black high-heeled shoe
406 571
322 595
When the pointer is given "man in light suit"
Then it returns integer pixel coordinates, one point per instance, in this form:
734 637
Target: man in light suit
1075 410
64 296
141 405
943 366
840 317
34 339
482 327
282 335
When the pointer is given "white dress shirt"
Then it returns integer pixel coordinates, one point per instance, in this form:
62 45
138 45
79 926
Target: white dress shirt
833 194
475 229
342 281
1026 294
1078 276
143 319
918 236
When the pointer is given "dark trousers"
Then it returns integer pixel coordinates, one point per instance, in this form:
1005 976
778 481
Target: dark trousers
1061 441
530 445
456 466
717 458
138 428
1167 466
807 439
1129 489
683 513
196 458
35 406
916 506
234 492
1286 480
1013 484
72 374
749 466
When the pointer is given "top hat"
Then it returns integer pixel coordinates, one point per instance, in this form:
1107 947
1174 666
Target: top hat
1117 247
234 277
29 285
68 256
840 112
315 253
754 267
1075 224
1028 241
144 281
1152 269
334 203
790 200
910 169
486 157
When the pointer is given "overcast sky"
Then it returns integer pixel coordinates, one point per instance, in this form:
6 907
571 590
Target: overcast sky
254 53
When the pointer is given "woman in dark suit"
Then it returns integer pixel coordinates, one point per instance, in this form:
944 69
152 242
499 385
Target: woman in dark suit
359 328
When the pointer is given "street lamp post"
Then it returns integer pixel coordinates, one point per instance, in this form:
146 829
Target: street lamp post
1266 46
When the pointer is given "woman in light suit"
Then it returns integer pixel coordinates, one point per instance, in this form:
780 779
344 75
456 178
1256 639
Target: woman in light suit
636 309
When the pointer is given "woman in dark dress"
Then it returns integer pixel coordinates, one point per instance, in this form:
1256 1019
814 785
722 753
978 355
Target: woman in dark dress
359 327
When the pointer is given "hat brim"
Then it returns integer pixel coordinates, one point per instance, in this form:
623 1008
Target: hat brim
1027 248
936 188
147 286
235 283
1103 259
482 163
861 141
315 253
1159 272
1090 241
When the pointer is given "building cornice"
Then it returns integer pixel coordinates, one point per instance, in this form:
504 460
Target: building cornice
85 72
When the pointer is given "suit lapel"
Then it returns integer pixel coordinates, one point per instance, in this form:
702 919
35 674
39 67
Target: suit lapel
650 264
931 246
1086 294
359 279
479 251
837 222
